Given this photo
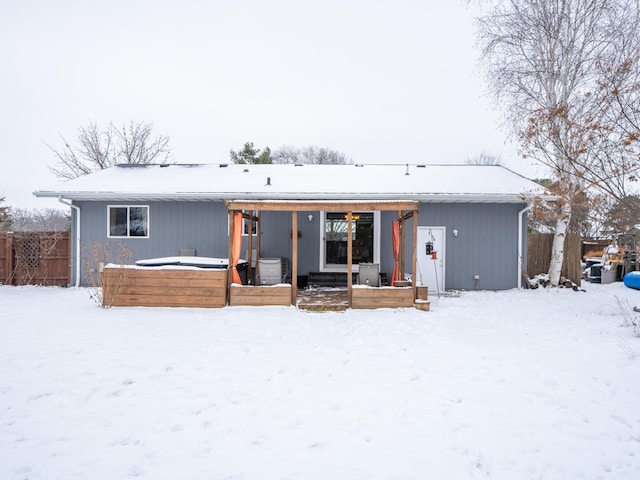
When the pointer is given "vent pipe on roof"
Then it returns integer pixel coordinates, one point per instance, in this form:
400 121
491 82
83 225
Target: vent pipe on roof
407 171
268 181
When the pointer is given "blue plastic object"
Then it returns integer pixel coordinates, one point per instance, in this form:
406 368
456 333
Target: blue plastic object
632 280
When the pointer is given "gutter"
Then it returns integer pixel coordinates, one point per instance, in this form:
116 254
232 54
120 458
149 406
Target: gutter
77 253
520 253
294 196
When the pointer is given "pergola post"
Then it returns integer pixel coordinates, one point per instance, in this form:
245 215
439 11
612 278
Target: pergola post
259 234
294 257
250 249
349 257
402 239
231 235
414 254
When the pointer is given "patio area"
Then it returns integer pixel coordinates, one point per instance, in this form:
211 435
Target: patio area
323 299
327 299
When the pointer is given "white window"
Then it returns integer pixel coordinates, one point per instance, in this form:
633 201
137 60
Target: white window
128 221
245 227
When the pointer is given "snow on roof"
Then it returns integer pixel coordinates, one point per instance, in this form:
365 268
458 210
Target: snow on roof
470 183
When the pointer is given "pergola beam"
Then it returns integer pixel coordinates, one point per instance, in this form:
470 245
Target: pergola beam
322 205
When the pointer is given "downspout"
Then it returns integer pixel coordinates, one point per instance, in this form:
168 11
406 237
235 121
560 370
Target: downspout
77 253
520 252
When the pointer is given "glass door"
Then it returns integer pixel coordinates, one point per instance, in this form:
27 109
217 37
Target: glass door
335 238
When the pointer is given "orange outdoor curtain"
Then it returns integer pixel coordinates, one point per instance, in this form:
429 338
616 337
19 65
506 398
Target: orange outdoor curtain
395 237
236 246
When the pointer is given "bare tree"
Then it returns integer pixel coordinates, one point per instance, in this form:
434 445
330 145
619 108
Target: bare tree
542 58
484 158
620 218
610 133
135 145
310 155
40 220
95 149
543 215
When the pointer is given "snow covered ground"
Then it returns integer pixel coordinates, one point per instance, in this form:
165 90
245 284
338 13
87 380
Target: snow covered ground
538 384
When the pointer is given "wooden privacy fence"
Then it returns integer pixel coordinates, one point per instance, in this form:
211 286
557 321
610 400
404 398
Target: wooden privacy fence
539 255
35 258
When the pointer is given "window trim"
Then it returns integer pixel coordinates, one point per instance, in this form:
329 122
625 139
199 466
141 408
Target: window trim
245 223
333 267
128 207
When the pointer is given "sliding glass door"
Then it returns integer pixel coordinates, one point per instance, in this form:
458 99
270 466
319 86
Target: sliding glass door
365 238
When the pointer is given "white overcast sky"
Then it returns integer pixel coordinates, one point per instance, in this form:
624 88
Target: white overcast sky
381 81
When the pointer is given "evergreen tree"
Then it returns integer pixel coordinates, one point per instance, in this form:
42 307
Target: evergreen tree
5 217
251 155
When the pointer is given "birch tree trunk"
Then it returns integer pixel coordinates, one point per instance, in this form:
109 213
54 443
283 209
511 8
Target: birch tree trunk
557 248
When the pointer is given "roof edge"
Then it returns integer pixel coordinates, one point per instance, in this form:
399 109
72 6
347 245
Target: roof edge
228 196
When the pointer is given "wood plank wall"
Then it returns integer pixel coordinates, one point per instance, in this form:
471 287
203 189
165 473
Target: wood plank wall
133 287
381 297
260 295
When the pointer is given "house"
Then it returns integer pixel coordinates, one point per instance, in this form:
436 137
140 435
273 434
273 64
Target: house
462 226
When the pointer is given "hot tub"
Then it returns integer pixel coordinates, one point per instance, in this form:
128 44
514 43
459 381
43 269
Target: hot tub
191 261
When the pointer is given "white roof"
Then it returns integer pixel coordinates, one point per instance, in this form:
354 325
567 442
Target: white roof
427 183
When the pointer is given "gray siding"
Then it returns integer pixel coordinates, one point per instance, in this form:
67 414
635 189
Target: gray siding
386 244
172 225
276 238
486 244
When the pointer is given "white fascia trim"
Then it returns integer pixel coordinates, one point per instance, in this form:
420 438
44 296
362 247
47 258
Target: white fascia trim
221 196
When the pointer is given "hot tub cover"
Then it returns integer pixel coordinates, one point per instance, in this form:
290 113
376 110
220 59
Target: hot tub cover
187 261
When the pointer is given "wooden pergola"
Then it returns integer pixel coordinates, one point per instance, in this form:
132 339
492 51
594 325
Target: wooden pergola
251 210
